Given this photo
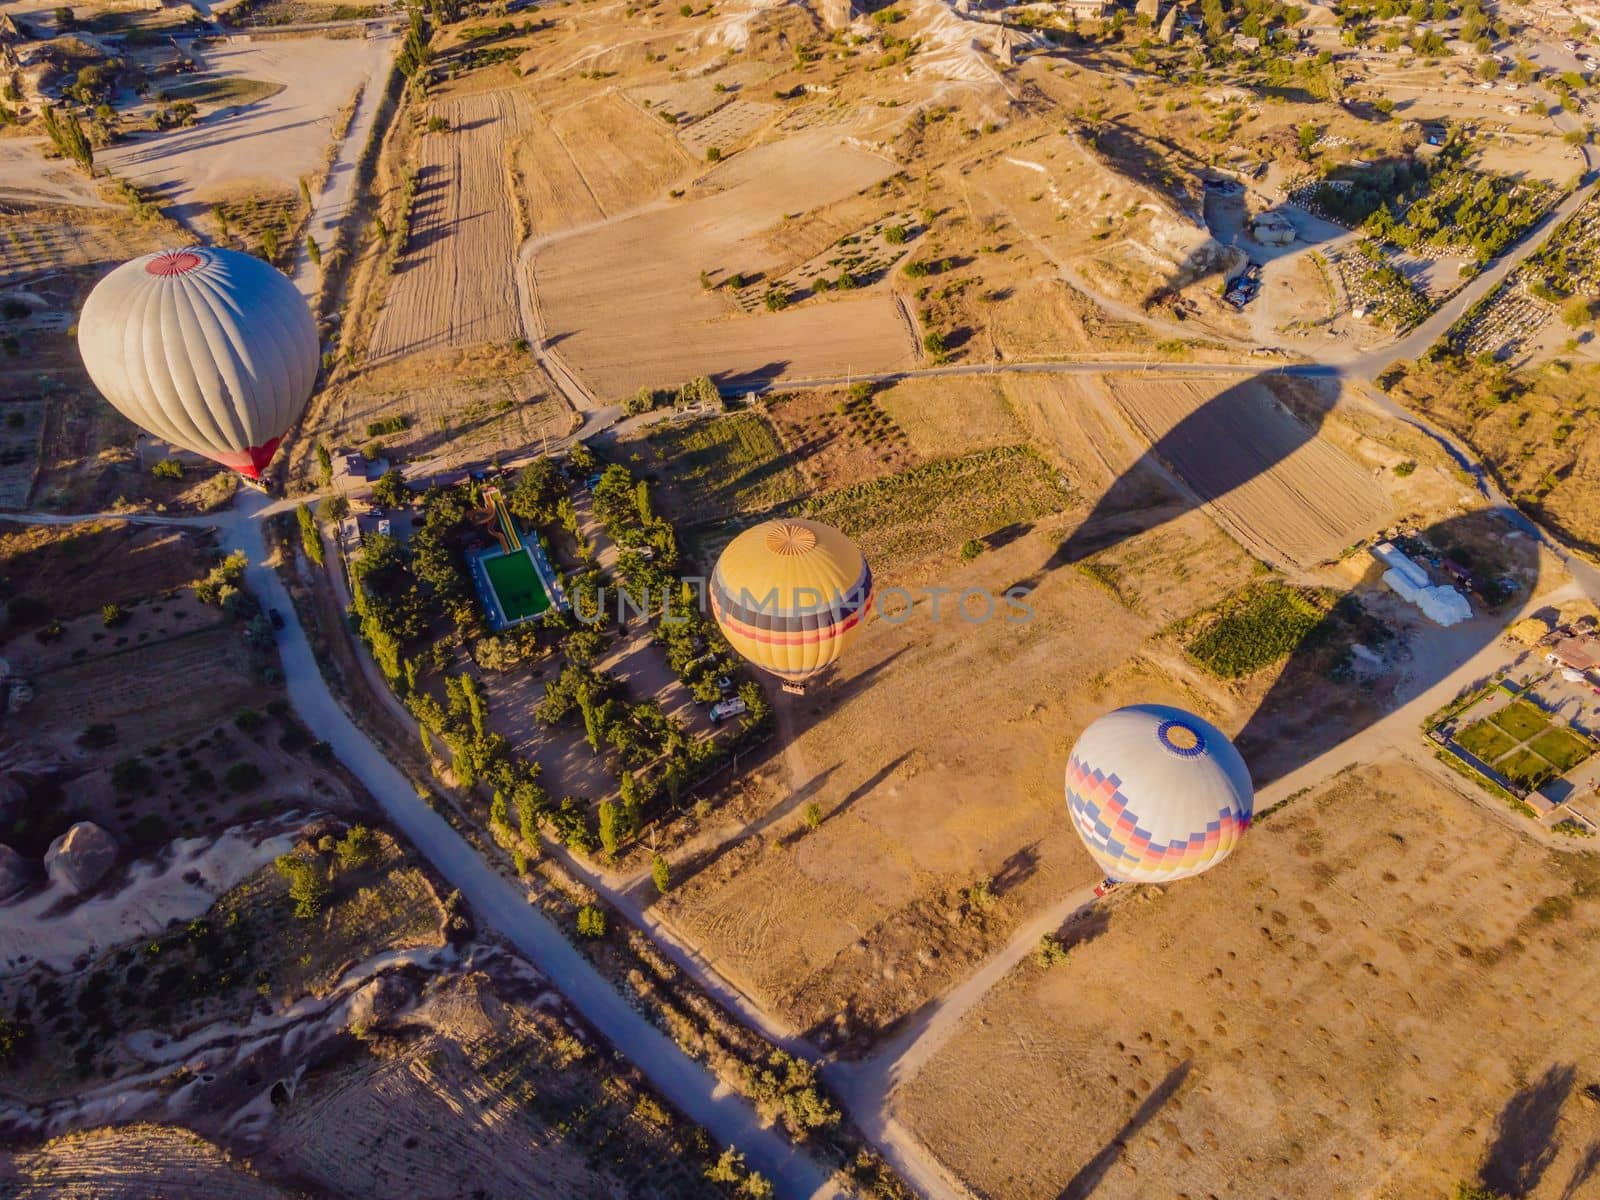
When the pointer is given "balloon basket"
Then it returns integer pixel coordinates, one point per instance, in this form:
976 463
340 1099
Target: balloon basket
794 689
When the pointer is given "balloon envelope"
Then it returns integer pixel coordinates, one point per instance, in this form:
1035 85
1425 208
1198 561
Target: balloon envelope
1157 793
789 595
211 350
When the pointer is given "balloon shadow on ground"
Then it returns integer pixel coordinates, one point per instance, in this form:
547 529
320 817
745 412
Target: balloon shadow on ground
1352 667
1171 468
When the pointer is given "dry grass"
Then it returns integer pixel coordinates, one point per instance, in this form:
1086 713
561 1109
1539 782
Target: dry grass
150 1160
1360 972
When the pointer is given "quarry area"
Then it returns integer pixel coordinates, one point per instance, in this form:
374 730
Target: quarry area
409 822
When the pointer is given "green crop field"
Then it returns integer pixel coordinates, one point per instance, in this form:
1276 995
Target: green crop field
225 89
516 585
1563 748
1521 720
1486 740
938 506
1525 768
727 464
1255 627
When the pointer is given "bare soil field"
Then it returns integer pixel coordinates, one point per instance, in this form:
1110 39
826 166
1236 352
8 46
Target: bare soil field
159 685
1337 1010
74 569
27 177
623 303
491 1079
727 126
836 441
846 929
1283 492
149 1160
591 159
454 286
287 135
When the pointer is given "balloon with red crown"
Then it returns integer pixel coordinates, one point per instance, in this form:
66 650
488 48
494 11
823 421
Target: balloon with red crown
210 350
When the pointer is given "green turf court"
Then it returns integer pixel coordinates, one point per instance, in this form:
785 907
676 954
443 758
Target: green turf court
516 585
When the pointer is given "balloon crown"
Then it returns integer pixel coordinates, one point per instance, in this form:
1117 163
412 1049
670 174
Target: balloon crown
173 262
789 539
1182 739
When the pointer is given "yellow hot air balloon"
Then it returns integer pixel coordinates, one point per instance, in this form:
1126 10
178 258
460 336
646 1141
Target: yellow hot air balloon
789 595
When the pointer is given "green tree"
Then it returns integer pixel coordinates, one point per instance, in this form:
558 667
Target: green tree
609 827
168 468
358 848
591 922
661 873
112 615
66 134
313 250
310 538
1307 136
390 490
308 884
324 463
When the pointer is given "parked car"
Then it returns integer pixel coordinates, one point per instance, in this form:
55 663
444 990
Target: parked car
723 709
724 684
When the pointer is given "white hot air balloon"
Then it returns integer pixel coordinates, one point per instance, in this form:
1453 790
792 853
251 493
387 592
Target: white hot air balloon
210 350
1157 793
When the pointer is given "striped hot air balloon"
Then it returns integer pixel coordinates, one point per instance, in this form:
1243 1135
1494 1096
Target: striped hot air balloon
210 350
789 595
1157 794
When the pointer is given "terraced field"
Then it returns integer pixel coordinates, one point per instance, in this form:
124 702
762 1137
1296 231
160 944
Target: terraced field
455 284
1284 493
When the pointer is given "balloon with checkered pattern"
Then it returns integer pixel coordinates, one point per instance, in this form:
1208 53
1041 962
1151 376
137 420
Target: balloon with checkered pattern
1157 793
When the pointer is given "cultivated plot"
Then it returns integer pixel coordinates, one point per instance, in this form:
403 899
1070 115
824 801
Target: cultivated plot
454 286
1285 493
624 304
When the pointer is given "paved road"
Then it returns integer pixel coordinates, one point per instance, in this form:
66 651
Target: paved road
502 906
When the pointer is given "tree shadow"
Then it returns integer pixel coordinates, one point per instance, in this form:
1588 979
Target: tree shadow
1525 1141
1588 1163
1093 1172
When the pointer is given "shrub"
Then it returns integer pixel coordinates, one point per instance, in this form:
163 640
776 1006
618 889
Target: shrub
713 154
168 468
661 874
98 736
112 615
970 549
242 776
131 775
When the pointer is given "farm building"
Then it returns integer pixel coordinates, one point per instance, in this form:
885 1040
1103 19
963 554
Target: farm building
1579 653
